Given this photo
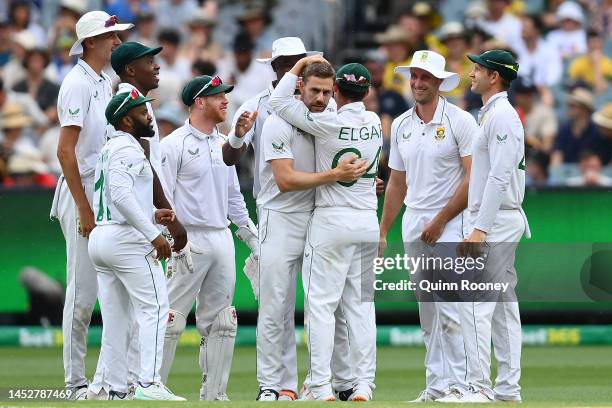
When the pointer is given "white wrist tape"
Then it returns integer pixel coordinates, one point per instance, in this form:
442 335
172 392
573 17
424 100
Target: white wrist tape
235 141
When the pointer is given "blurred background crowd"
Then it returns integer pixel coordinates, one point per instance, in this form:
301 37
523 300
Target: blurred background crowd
563 94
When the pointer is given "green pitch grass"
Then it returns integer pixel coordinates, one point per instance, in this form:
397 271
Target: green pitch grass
552 377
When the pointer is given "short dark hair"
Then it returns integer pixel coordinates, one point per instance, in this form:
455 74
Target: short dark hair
352 95
587 154
319 70
592 32
536 20
203 67
169 36
504 82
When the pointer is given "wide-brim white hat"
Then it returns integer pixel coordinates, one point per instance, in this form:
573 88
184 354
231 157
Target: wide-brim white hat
433 63
95 23
287 47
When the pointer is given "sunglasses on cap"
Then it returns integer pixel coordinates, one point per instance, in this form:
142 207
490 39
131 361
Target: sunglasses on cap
216 81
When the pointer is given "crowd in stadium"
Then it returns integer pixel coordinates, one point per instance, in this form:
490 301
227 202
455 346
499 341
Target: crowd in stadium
564 50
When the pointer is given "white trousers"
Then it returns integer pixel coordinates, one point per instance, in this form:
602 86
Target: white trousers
440 323
340 251
498 322
128 274
81 286
213 281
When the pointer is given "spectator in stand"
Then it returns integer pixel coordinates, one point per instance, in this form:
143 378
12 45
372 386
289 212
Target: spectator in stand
169 117
594 68
172 14
62 61
531 53
539 120
421 20
20 20
248 76
549 14
501 24
14 71
603 119
579 133
570 38
26 168
125 10
200 44
454 38
5 43
395 43
202 67
390 103
26 103
36 85
144 28
174 70
537 169
590 172
65 21
255 21
15 125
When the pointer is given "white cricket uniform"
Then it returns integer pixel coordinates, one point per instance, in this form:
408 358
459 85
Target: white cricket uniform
344 218
81 102
204 192
131 280
133 360
497 188
342 371
430 154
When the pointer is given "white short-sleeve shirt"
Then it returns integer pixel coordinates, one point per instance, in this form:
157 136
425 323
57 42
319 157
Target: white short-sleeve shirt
430 153
82 100
280 140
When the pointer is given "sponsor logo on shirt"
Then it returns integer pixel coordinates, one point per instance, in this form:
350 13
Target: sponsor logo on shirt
73 113
501 139
406 136
194 152
280 147
307 114
440 134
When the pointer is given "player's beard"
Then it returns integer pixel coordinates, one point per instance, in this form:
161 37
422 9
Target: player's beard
143 129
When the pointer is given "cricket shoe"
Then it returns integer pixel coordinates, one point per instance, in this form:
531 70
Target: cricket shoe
122 396
287 395
361 395
344 395
474 396
92 396
308 395
425 396
155 392
76 393
453 396
267 394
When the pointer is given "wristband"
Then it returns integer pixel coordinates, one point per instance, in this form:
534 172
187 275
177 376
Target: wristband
235 141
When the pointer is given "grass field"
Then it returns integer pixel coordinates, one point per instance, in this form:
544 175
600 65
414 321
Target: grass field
552 376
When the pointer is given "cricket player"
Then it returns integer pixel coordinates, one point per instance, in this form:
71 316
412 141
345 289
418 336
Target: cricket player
83 97
246 130
497 188
135 65
285 203
430 162
204 192
125 249
335 256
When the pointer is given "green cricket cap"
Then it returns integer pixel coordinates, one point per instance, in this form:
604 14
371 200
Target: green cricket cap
498 60
128 52
353 77
121 104
203 86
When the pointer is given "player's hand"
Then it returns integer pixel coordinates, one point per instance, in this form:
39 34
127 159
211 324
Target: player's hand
302 63
179 234
432 232
162 246
244 123
164 216
382 245
380 186
474 245
86 222
350 169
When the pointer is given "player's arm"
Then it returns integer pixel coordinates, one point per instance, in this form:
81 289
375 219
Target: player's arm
69 136
504 144
289 179
465 128
240 133
294 111
239 215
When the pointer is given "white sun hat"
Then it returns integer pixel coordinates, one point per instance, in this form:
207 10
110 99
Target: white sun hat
286 47
92 24
433 63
